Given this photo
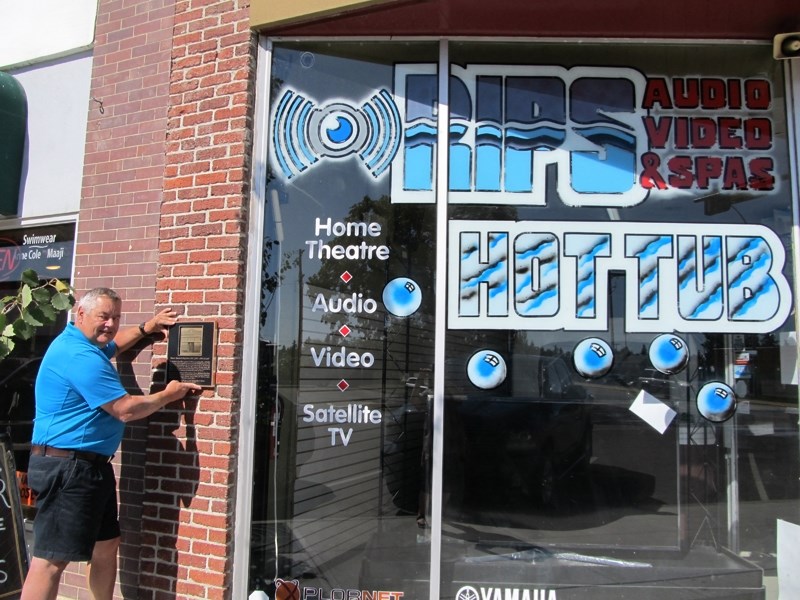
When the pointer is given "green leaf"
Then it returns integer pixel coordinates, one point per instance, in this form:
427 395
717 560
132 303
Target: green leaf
34 316
23 330
8 331
30 278
41 295
61 286
46 313
62 301
26 294
31 317
6 346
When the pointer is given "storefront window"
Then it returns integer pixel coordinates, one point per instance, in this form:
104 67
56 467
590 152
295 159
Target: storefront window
620 405
343 429
48 250
602 447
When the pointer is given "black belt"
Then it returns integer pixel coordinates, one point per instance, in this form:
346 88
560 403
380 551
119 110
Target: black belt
92 457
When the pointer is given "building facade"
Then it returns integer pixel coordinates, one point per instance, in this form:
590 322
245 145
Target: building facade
504 294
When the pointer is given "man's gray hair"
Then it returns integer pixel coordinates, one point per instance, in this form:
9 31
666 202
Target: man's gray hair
89 300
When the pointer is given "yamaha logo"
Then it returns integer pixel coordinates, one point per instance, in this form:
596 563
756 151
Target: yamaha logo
469 592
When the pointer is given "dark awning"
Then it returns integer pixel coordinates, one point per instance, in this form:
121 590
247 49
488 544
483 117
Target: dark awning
13 119
679 19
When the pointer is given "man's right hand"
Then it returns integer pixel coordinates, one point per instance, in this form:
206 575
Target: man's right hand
176 390
130 408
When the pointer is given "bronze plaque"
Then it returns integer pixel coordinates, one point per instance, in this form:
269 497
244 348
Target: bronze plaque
191 351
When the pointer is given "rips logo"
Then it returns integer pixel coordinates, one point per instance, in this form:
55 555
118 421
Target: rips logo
509 122
612 135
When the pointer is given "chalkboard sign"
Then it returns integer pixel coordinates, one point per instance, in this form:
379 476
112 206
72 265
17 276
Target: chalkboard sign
13 555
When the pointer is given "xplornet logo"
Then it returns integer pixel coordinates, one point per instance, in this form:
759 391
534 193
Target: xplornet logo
608 136
290 589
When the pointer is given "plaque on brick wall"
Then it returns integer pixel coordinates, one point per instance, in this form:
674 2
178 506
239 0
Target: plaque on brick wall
13 554
191 353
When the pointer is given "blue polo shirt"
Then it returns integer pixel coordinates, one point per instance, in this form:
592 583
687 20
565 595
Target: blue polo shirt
75 379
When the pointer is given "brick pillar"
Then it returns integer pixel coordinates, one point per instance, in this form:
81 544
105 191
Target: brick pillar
163 204
190 479
118 229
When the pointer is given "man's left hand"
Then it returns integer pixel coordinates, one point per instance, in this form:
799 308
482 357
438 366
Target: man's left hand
163 320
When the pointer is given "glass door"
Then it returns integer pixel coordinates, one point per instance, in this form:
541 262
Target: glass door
618 262
342 448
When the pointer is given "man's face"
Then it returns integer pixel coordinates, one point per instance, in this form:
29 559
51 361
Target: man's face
100 324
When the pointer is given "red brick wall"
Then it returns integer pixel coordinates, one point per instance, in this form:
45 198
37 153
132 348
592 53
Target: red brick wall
118 229
191 470
162 222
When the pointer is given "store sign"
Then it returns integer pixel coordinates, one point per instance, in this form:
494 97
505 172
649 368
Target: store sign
46 250
608 137
612 134
554 275
13 555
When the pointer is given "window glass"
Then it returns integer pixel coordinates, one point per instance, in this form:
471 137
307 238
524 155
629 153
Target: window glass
346 351
620 387
48 251
621 394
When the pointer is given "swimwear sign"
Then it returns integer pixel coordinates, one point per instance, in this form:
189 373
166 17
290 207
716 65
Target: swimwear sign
46 250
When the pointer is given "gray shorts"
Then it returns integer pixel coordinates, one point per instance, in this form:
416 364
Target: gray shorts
76 503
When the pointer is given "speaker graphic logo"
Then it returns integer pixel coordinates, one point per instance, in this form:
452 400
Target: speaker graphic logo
303 133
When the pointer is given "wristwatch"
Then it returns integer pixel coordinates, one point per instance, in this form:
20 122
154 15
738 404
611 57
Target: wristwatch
141 329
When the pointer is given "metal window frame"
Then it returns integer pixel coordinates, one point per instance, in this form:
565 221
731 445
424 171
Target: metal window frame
243 506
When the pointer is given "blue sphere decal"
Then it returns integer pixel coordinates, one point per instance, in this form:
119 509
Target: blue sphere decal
716 402
592 358
486 369
402 297
669 354
336 130
342 131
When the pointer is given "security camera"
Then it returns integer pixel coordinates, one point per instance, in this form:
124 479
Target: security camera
786 45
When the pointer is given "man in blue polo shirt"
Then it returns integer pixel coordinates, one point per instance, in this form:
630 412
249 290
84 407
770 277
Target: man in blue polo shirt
81 411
